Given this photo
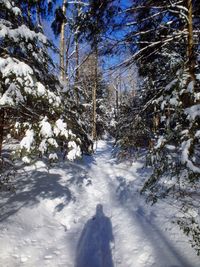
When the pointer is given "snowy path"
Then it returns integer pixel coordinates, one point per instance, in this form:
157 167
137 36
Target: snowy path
42 223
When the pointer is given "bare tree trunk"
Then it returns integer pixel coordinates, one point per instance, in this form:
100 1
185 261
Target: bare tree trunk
186 97
94 95
62 44
2 118
68 43
120 89
29 13
39 22
77 69
78 10
77 44
117 100
190 46
77 58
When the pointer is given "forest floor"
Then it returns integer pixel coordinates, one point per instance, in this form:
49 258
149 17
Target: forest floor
88 213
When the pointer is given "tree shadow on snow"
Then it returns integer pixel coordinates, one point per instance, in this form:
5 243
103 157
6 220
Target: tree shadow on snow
87 161
78 173
31 190
127 195
93 249
123 189
160 240
32 186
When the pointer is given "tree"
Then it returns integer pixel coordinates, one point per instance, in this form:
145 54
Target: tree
91 79
175 154
163 40
92 23
62 42
31 101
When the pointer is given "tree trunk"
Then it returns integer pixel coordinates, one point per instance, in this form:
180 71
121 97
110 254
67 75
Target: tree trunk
77 58
2 118
29 13
94 94
187 98
78 10
77 69
190 45
39 22
117 100
78 7
62 44
68 43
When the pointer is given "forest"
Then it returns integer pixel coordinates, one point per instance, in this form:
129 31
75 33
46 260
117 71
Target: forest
100 108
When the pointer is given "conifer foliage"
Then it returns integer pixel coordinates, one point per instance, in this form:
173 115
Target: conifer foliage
32 106
164 39
153 44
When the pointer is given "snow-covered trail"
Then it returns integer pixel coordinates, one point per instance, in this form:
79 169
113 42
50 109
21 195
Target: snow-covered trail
42 223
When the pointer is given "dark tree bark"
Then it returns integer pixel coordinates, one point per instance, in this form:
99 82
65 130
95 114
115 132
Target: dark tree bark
62 44
191 57
2 121
94 93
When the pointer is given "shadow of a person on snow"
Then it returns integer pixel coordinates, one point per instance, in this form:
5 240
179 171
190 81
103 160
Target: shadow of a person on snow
96 241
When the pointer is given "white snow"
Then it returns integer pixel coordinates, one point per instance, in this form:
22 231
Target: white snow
7 4
28 140
45 128
40 89
174 102
53 156
51 219
25 159
53 99
74 152
52 142
197 134
190 87
171 84
60 128
12 94
22 32
198 76
193 111
163 104
6 100
185 147
10 66
43 146
160 142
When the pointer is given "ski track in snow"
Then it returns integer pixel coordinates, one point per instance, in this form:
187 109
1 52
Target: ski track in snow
41 224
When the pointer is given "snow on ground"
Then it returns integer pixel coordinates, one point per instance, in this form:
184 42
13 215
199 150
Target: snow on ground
51 219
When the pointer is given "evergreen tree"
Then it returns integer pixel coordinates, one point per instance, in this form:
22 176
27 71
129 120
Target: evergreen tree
167 51
163 40
31 99
87 81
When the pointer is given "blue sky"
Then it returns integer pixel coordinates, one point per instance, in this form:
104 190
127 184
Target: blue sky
108 61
